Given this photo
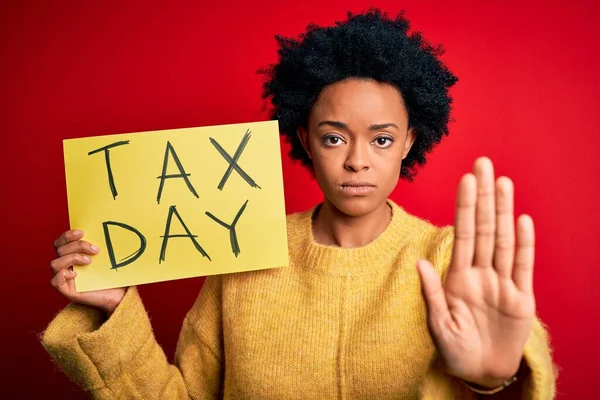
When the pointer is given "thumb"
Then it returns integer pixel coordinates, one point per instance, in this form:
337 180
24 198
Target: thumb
435 297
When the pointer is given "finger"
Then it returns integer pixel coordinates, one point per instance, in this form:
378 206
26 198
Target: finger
63 282
464 223
504 252
433 293
69 260
524 257
78 246
67 237
485 214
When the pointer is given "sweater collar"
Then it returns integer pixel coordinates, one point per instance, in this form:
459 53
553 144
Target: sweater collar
340 261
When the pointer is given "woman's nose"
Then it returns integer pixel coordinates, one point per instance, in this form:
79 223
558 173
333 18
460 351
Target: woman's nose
357 158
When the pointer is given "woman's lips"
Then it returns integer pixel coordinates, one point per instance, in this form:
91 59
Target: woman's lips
357 188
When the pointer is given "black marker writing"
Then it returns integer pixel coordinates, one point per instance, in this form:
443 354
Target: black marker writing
106 150
182 173
235 247
233 161
188 234
111 251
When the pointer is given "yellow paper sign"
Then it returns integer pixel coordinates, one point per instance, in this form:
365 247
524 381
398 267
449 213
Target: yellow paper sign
177 203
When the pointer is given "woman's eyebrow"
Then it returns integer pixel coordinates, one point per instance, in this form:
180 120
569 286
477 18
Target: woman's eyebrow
335 124
341 125
378 127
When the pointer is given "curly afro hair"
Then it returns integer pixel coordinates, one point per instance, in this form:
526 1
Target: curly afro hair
369 45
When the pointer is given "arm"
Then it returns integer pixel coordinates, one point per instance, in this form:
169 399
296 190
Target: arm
482 319
536 379
120 358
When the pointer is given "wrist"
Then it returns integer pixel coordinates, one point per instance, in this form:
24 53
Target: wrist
488 384
109 309
111 304
492 385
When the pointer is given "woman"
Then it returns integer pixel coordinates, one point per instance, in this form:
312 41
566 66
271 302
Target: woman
360 312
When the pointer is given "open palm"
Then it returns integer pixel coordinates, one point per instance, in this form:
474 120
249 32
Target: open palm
482 317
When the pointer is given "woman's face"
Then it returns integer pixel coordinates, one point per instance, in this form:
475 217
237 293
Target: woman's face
357 138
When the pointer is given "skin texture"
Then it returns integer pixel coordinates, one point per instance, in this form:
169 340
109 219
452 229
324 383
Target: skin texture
357 136
70 250
481 319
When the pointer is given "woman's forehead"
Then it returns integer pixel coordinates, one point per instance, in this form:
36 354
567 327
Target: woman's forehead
362 102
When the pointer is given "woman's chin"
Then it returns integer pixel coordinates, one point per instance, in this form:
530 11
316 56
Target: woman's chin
356 206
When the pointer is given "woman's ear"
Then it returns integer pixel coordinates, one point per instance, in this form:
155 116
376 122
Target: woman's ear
411 136
303 136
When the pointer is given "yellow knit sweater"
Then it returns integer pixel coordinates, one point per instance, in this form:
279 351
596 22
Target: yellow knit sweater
336 324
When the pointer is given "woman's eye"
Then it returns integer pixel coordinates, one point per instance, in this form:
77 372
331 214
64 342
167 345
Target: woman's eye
332 140
383 142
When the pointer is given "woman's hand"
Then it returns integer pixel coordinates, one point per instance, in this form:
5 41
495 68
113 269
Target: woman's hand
482 317
71 250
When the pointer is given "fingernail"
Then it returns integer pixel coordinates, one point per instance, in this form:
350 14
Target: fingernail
77 232
73 273
94 248
86 259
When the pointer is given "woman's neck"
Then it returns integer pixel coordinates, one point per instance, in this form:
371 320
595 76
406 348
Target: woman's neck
331 227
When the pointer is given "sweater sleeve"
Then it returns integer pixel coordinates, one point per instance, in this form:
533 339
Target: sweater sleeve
120 357
538 381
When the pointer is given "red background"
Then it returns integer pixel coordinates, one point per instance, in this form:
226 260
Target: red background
527 97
